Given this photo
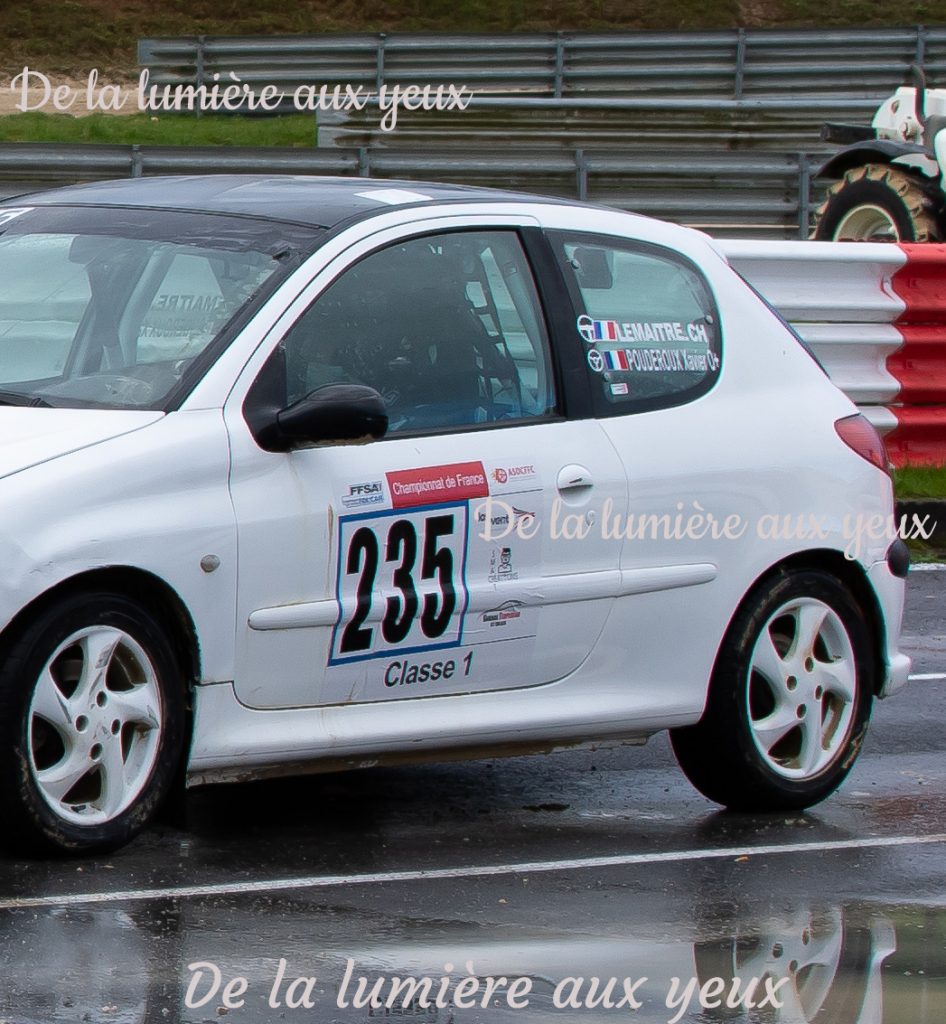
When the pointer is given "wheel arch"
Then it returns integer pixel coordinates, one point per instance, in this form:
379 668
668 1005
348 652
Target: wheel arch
150 591
848 572
877 151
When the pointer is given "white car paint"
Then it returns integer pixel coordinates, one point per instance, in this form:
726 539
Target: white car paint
613 648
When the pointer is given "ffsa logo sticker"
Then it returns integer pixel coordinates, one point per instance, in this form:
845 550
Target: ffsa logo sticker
359 495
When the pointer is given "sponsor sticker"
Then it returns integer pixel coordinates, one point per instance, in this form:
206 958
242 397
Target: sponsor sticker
506 474
502 615
500 520
501 568
431 485
596 360
369 493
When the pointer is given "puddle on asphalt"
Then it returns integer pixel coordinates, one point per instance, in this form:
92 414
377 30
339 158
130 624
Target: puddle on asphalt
840 964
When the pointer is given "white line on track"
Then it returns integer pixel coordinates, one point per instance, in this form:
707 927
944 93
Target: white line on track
928 567
926 677
469 871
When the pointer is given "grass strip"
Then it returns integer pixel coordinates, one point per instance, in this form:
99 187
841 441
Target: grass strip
920 482
296 130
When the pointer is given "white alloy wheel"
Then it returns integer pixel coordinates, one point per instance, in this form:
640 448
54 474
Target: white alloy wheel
94 728
801 689
789 699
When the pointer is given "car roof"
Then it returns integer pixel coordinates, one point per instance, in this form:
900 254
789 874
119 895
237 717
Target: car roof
314 201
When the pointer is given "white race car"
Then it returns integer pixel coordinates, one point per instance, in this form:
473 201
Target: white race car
301 474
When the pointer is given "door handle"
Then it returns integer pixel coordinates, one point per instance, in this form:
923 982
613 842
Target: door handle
573 479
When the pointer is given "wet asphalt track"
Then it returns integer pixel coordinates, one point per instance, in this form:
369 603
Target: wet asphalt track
587 864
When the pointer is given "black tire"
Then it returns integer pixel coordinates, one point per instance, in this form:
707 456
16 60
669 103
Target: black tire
90 744
727 755
878 202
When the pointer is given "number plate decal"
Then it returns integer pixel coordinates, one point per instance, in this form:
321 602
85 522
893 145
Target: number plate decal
401 581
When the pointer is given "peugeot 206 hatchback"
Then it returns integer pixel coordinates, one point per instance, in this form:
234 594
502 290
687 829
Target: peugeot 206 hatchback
302 474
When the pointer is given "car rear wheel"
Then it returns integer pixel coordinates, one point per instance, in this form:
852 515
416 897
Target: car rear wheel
789 699
92 706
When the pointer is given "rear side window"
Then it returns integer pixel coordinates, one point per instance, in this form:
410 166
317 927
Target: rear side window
647 319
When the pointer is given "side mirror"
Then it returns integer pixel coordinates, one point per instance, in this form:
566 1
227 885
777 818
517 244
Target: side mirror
332 414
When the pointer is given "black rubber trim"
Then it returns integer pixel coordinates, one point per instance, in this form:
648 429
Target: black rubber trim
898 559
577 398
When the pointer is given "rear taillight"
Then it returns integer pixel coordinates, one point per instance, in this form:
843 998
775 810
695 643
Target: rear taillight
858 433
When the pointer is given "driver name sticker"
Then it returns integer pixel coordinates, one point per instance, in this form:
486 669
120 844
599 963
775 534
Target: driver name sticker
643 332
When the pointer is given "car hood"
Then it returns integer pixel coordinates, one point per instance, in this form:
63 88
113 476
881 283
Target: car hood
29 436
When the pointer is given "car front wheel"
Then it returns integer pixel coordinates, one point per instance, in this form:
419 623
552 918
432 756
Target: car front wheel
92 705
789 700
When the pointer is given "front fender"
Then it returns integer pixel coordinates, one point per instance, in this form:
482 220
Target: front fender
874 151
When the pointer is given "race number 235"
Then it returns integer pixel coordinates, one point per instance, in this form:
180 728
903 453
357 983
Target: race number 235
400 581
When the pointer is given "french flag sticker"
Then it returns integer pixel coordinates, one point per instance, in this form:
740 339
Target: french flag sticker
605 330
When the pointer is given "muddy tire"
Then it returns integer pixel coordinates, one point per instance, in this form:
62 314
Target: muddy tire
879 203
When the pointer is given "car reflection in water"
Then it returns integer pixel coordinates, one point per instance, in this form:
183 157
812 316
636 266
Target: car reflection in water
843 965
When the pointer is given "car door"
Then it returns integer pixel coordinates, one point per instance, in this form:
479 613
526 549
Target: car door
455 555
651 327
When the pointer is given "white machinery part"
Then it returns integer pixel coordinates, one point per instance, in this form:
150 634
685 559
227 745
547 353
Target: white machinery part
895 119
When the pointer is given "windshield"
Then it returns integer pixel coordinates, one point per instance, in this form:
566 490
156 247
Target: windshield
116 308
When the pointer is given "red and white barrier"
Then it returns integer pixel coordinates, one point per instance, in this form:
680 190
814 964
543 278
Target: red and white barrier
875 314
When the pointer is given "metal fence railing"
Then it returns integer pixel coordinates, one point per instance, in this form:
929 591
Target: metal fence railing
732 64
738 194
688 124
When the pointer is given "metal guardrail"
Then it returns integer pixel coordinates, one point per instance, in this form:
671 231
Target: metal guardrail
875 315
690 124
751 194
731 64
839 298
737 89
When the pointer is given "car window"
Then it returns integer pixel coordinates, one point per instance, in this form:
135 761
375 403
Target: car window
46 297
186 311
110 309
648 320
447 328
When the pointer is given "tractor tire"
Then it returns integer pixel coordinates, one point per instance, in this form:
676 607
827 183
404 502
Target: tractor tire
879 203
